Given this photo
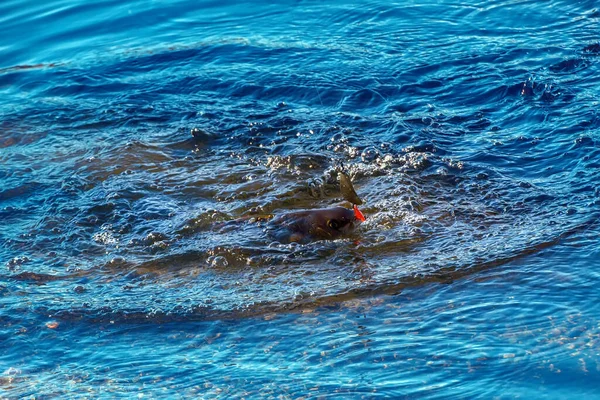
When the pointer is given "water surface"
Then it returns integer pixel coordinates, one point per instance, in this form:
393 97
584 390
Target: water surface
140 141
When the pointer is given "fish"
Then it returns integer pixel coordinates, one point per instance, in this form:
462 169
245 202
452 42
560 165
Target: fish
308 225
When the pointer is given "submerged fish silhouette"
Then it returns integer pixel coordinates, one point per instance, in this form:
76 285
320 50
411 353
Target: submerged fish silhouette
306 225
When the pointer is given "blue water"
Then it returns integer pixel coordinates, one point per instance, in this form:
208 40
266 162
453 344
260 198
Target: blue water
131 262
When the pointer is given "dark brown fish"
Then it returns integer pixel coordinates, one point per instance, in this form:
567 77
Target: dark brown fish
304 226
347 189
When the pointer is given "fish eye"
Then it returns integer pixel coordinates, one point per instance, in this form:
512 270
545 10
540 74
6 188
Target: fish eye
333 224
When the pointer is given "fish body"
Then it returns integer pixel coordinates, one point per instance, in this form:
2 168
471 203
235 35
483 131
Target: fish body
307 225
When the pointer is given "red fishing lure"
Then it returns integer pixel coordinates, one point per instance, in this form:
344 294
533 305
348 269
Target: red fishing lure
358 214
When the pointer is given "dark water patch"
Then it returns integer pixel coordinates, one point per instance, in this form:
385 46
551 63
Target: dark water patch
545 92
569 66
9 213
19 138
26 67
592 48
23 191
35 278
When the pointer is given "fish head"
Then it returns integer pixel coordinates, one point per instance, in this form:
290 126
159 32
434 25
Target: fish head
332 223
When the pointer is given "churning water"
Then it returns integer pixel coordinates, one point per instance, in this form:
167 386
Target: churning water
142 141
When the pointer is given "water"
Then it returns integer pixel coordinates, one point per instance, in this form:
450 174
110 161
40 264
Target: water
131 264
